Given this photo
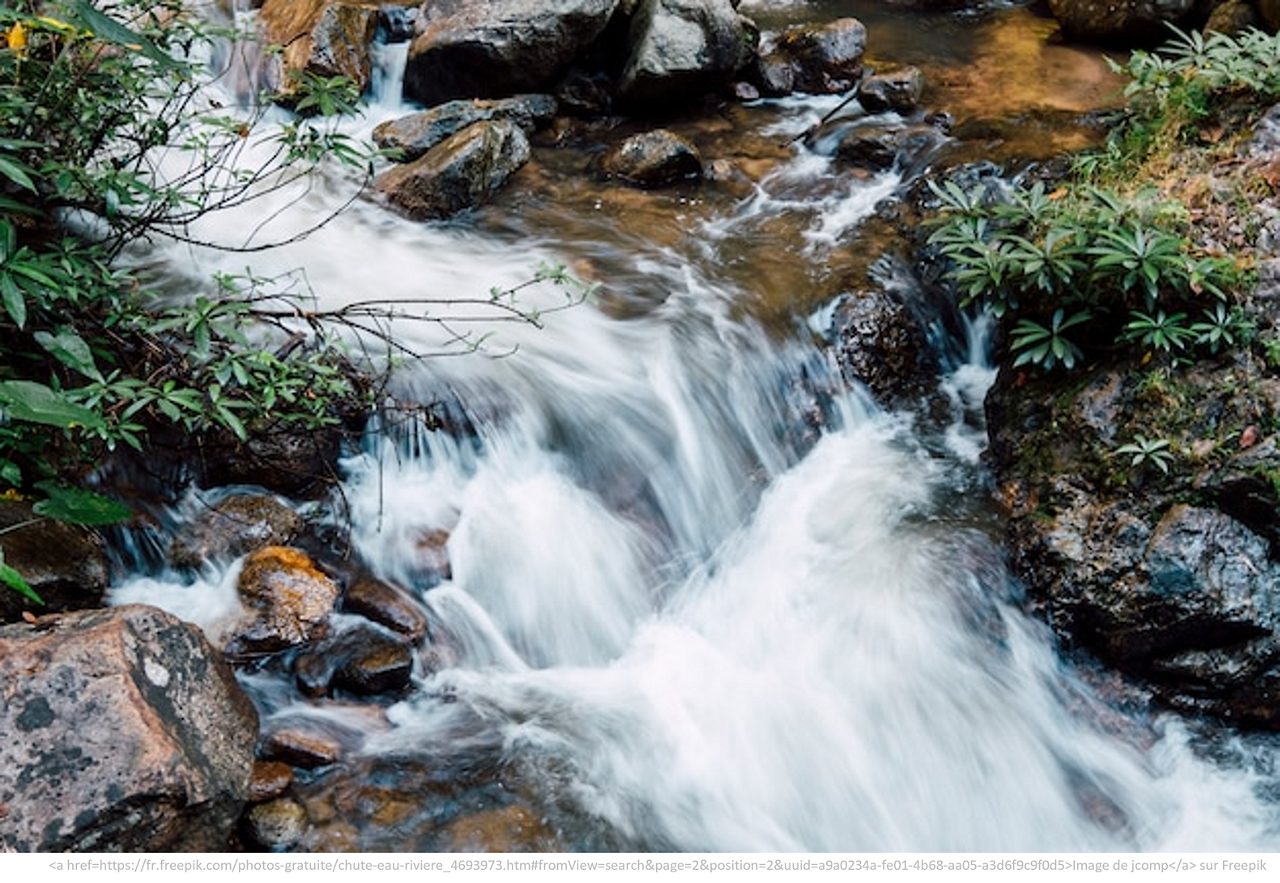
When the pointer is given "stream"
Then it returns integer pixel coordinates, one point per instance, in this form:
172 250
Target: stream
704 595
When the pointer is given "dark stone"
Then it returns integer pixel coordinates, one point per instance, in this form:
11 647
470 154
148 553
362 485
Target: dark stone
898 91
1119 22
365 660
1232 17
824 59
386 605
492 48
879 344
683 49
653 159
130 733
276 456
1269 12
415 134
877 147
65 564
464 171
585 94
397 24
235 526
775 74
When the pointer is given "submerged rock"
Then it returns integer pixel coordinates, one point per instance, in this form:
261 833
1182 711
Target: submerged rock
365 660
653 159
899 91
289 598
235 526
127 732
492 48
683 49
462 172
323 38
65 564
509 829
1126 22
415 134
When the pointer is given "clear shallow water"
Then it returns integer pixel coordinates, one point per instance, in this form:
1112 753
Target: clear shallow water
703 596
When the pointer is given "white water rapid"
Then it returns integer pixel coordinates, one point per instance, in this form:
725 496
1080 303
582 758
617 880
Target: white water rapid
704 596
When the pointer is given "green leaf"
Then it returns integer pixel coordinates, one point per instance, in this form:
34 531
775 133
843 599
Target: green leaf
15 302
14 580
17 173
112 31
78 506
70 349
32 402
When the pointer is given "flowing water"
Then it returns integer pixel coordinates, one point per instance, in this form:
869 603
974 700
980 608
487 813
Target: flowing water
704 595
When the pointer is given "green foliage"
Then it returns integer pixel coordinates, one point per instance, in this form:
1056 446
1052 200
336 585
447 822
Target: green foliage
1155 451
10 578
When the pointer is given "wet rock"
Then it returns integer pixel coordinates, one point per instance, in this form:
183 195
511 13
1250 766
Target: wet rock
431 564
396 24
302 746
269 780
880 345
744 91
1232 17
233 527
126 732
820 59
386 605
65 564
275 825
510 829
774 74
320 37
492 48
289 600
653 159
585 94
365 660
415 134
1123 22
898 91
881 147
682 49
280 457
464 171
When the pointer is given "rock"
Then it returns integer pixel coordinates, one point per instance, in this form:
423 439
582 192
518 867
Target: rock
1269 12
653 159
510 829
280 457
585 94
320 37
269 780
365 660
301 746
774 74
233 527
898 91
415 134
821 59
881 147
1123 22
289 598
431 564
65 564
1264 143
396 24
127 732
386 605
682 49
880 345
1232 17
492 48
461 173
744 91
275 825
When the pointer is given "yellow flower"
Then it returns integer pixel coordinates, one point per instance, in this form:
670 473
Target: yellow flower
17 40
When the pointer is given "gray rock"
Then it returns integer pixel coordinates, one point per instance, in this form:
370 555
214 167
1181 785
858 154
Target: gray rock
1125 22
682 49
126 732
898 91
1264 144
492 48
653 159
65 564
415 134
826 58
879 344
235 526
462 172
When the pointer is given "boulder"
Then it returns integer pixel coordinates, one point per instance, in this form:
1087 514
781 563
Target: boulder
821 59
65 564
387 606
415 134
879 147
898 91
653 159
1119 22
235 526
492 48
682 49
320 37
365 660
879 344
127 732
289 600
464 171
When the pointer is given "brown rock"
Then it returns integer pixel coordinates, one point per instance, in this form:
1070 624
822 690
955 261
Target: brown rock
510 829
290 598
825 58
387 605
898 90
277 824
269 780
1119 22
126 732
235 526
653 159
65 564
320 37
365 660
303 747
